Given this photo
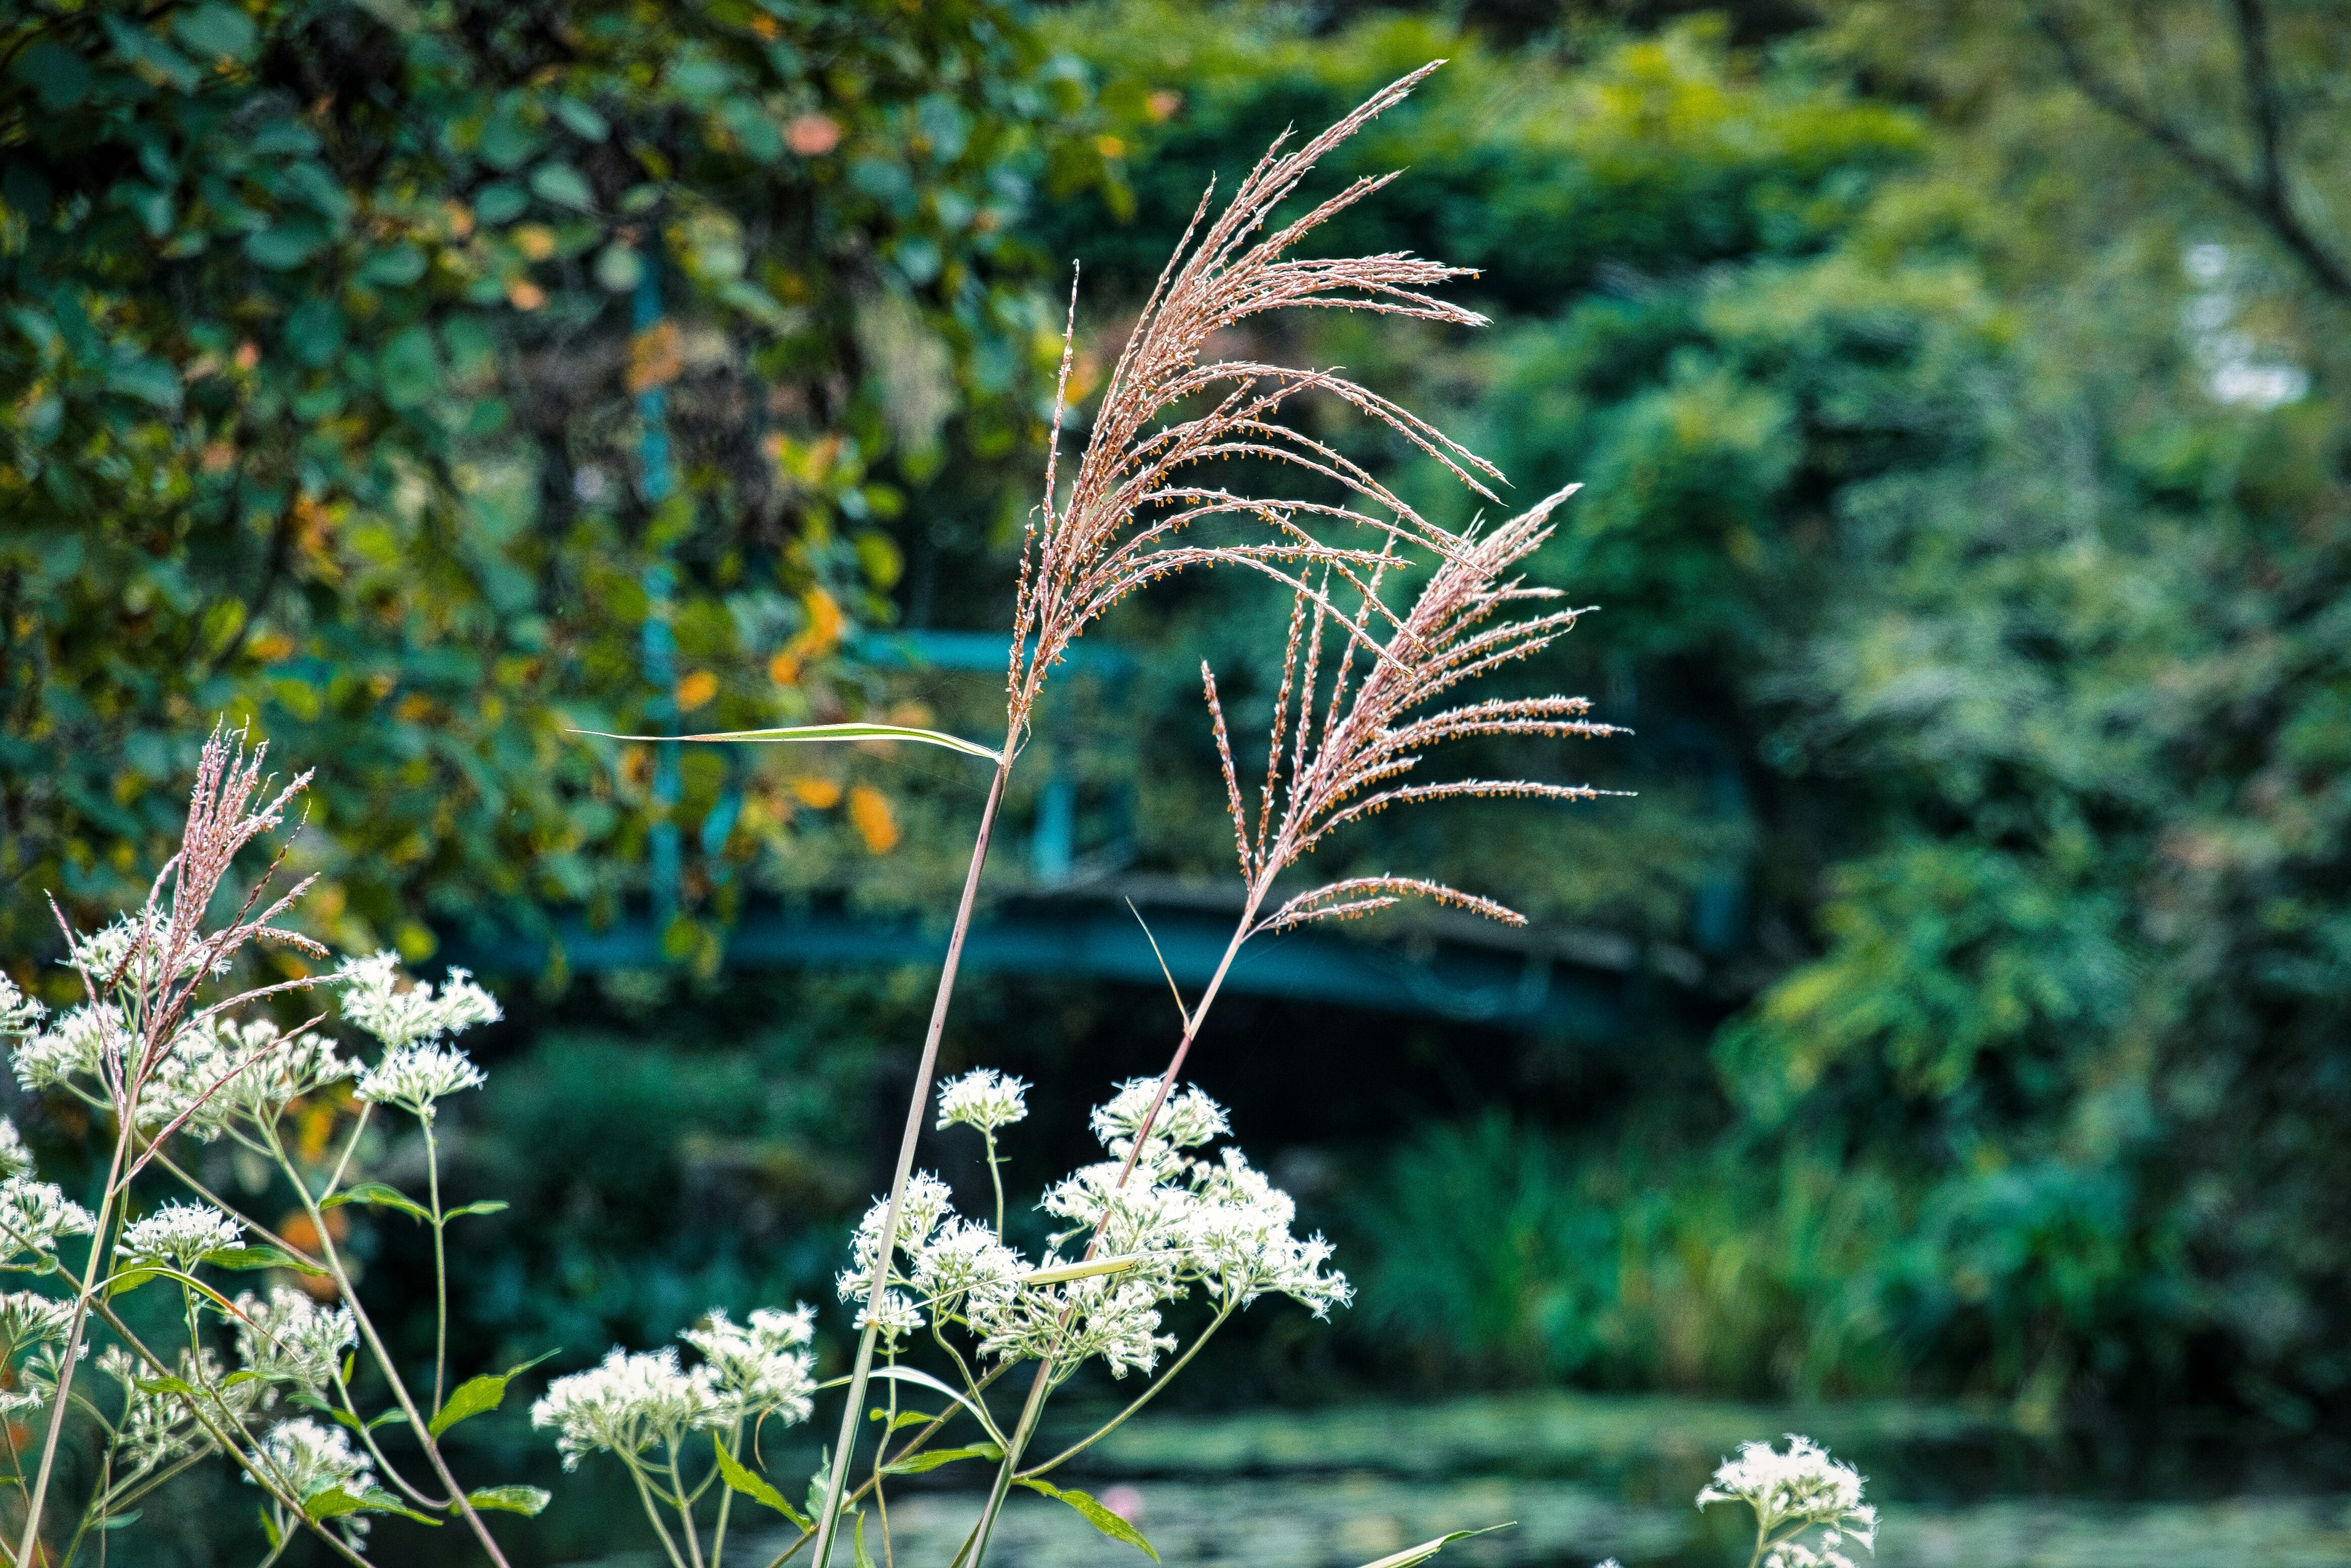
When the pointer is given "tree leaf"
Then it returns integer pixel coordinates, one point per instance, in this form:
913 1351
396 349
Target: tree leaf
522 1499
932 1458
1412 1555
802 733
1095 1514
753 1485
376 1195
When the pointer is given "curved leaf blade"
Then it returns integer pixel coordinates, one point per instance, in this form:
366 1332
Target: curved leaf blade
1100 1518
754 1486
802 734
1412 1556
525 1501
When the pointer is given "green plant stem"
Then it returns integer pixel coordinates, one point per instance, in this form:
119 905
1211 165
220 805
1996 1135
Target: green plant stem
1041 1384
1145 1398
685 1511
827 1524
995 1178
90 1276
440 1261
424 1439
726 1500
645 1496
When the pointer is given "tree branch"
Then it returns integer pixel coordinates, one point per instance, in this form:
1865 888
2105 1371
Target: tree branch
2263 194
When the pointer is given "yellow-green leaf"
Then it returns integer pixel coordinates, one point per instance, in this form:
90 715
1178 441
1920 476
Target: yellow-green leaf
1098 1516
1411 1556
753 1485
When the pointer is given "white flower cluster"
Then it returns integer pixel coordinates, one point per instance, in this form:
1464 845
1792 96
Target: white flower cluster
634 1401
15 1159
1182 1221
20 1015
181 1235
35 1322
628 1405
305 1458
72 1048
290 1338
414 1076
33 1215
130 952
374 1001
1793 1492
157 1428
983 1100
764 1368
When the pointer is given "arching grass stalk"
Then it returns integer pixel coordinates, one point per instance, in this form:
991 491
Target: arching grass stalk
1336 746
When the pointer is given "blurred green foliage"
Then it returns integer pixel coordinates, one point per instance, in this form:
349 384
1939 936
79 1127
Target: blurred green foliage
1969 468
371 367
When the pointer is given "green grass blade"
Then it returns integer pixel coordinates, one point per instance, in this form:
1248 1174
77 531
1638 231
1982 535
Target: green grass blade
801 733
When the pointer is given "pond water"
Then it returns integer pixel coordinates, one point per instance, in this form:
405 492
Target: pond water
1583 1478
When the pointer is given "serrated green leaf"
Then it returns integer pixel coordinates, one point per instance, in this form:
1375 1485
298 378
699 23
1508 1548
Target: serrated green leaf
752 1485
932 1458
1095 1514
1413 1556
522 1499
807 733
376 1195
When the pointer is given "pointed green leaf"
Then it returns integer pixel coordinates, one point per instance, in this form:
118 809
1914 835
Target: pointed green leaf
477 1395
486 1206
525 1501
129 1281
117 1520
1412 1556
269 1531
1095 1514
376 1195
932 1458
751 1485
815 732
857 1543
262 1258
1056 1275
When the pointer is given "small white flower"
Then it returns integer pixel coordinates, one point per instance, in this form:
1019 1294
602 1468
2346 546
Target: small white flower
28 1318
72 1048
1239 1242
32 1215
763 1368
130 952
182 1234
414 1076
965 1269
897 1319
927 1202
292 1339
1187 1120
374 1001
629 1404
19 1014
1795 1491
15 1159
983 1100
305 1458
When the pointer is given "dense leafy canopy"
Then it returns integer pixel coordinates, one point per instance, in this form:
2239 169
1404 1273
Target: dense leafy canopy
420 380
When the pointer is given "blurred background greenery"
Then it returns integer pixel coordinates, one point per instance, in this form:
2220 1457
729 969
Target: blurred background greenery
1957 1012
